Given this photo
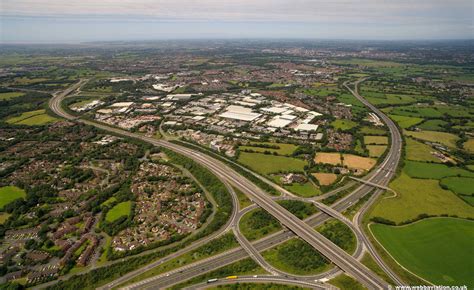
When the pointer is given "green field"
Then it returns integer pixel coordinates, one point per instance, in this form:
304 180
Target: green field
284 148
297 257
469 145
32 118
376 140
419 196
119 210
304 190
433 171
438 249
372 131
433 125
405 121
444 138
10 95
342 281
376 150
459 185
418 151
9 194
266 164
3 217
343 124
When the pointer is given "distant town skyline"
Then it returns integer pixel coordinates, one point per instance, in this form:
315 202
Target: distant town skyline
94 20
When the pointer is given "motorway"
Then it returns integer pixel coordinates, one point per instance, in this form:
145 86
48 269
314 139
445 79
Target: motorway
344 261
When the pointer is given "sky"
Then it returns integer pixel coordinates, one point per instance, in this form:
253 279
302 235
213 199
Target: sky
56 21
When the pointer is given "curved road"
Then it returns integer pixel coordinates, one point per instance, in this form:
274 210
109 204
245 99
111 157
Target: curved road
304 231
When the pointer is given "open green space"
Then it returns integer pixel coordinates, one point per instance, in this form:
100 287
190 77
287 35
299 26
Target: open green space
437 249
109 201
266 164
433 171
469 145
342 281
366 130
418 151
297 257
10 95
9 194
433 125
376 150
119 210
279 148
32 118
419 196
444 138
343 124
459 185
388 99
376 140
306 189
3 217
405 121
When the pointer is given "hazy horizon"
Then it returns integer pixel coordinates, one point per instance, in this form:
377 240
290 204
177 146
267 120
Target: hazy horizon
55 21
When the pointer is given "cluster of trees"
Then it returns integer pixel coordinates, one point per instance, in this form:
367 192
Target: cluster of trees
300 255
300 209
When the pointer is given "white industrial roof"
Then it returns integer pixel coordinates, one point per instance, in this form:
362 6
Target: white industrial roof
240 116
288 117
276 110
306 127
122 104
278 122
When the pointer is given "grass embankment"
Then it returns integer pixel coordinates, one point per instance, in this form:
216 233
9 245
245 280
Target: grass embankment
119 210
438 249
243 267
343 281
9 194
212 248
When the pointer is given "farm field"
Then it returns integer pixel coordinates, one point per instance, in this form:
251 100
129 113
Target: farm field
405 121
266 164
3 217
358 162
469 145
433 125
418 151
372 131
343 124
388 99
433 171
376 150
284 148
376 140
38 117
119 210
328 158
419 196
10 95
422 248
9 194
447 139
459 185
325 178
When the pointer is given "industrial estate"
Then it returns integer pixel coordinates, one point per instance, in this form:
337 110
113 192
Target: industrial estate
237 165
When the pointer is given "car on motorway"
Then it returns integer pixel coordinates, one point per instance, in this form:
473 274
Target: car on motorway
212 280
231 277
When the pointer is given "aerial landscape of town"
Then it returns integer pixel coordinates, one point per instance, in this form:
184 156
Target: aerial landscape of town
236 163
